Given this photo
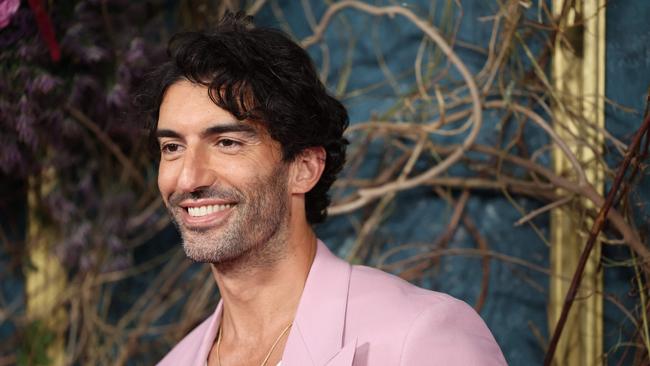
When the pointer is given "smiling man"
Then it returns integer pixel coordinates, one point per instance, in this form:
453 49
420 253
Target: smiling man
250 142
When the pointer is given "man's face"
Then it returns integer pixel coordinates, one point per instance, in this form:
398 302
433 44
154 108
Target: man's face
222 180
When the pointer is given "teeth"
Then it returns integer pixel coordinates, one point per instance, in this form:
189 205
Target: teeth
206 210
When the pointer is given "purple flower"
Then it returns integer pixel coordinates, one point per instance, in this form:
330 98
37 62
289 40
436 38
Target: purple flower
124 74
22 27
30 51
80 43
93 54
114 244
26 132
71 250
62 211
117 97
10 157
135 54
86 185
25 124
7 10
43 83
87 262
73 33
7 114
53 118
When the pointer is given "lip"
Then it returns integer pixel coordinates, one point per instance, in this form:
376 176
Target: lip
204 202
209 221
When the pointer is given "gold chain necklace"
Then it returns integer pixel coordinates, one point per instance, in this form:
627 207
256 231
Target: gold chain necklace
268 355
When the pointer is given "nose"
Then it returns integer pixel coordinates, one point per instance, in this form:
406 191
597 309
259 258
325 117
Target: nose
196 172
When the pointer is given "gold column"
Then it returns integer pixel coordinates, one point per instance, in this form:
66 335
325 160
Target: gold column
579 81
45 278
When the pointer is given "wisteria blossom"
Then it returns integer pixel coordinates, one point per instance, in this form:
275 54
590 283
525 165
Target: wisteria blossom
7 10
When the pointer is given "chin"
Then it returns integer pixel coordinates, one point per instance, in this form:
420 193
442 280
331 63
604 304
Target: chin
203 250
202 255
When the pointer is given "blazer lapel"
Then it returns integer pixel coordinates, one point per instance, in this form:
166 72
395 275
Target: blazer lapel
316 337
345 357
202 352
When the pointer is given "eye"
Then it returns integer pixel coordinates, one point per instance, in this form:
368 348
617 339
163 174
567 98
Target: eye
170 148
228 143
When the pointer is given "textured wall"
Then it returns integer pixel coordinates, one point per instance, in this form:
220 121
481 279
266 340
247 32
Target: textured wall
627 83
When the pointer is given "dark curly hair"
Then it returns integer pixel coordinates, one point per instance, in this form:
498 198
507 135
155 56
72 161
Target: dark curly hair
258 74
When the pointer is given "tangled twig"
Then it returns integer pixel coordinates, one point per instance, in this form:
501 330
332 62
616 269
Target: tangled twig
593 235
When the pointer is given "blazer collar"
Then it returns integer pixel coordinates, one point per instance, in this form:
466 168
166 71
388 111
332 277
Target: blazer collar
209 336
316 337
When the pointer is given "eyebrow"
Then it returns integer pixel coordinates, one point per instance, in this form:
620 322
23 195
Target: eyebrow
167 133
233 127
214 130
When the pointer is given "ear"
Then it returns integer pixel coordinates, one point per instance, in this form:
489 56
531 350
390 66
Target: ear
307 168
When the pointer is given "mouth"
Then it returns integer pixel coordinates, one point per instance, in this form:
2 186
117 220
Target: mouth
201 211
208 215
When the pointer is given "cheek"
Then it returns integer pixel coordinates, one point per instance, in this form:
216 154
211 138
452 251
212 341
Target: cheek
242 170
166 180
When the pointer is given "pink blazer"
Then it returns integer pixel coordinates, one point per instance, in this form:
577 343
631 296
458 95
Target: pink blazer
360 316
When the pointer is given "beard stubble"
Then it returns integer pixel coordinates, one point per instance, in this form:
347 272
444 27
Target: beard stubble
254 233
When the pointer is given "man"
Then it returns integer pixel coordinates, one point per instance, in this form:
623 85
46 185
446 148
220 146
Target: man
250 143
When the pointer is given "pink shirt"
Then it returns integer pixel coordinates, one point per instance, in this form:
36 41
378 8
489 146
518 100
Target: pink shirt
360 316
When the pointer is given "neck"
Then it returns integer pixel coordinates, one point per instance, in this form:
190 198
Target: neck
263 297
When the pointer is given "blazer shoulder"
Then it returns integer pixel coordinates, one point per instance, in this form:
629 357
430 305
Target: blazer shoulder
450 333
423 325
389 291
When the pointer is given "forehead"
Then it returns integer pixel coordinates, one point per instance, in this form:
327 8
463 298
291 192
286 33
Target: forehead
187 106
